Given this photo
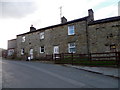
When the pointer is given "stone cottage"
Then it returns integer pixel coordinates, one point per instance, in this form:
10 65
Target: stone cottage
104 35
12 47
83 35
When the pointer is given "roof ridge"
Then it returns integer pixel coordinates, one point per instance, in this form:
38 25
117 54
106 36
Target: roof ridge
52 26
116 18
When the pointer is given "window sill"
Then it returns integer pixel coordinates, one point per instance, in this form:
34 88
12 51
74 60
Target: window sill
41 39
42 52
72 35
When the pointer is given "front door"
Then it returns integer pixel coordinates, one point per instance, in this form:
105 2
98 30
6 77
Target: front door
31 53
56 50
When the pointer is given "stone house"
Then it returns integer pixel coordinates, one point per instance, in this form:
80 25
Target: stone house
12 47
104 35
83 35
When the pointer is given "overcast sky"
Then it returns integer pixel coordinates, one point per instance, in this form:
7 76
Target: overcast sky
16 16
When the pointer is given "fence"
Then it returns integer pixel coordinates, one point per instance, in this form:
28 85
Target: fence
108 58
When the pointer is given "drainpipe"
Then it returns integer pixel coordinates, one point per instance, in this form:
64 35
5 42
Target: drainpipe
87 40
90 18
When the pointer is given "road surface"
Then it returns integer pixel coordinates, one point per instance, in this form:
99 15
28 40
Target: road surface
0 73
25 74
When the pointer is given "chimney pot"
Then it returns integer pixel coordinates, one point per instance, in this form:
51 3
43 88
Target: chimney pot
32 28
63 20
91 14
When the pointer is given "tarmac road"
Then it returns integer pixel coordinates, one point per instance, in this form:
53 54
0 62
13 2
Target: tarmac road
25 74
0 73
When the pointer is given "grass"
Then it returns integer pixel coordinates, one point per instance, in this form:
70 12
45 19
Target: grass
87 62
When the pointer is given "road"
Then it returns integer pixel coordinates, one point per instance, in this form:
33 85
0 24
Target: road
0 73
24 74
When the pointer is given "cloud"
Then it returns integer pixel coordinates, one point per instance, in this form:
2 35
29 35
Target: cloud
16 9
111 11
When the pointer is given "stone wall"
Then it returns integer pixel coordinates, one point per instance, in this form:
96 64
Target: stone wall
56 36
12 43
103 35
12 46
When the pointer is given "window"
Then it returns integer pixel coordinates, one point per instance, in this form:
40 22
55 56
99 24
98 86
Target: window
42 35
10 52
113 47
71 48
42 50
71 30
22 51
23 39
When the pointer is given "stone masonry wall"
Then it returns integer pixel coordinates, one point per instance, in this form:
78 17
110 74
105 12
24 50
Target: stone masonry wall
102 35
57 36
100 38
12 44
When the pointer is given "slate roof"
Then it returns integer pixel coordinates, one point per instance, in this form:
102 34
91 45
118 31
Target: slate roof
111 19
12 40
53 26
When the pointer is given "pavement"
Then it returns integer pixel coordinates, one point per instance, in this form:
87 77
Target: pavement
109 71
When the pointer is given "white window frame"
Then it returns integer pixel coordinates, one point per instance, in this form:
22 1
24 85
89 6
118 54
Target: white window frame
71 47
69 30
42 35
22 51
41 49
23 39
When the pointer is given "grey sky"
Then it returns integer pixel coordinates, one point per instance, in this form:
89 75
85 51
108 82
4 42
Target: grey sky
119 8
16 9
16 16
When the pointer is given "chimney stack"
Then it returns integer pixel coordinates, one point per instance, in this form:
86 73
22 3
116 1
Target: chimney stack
63 20
32 28
91 15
